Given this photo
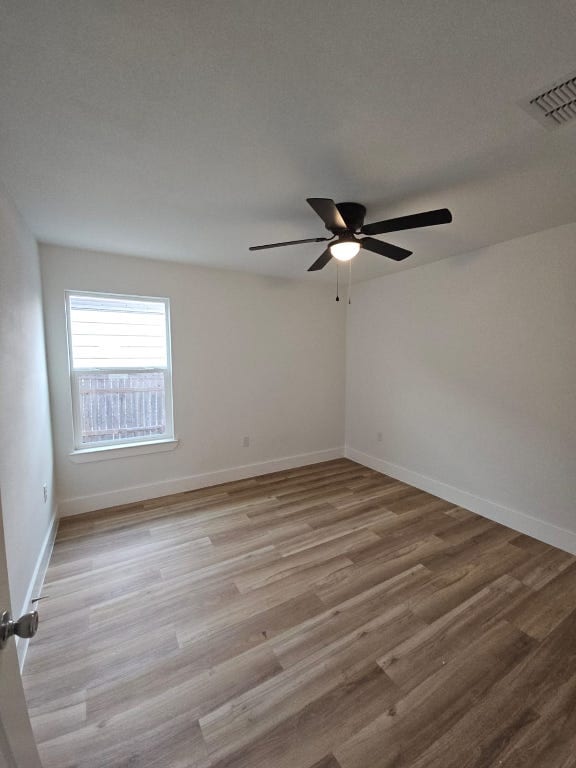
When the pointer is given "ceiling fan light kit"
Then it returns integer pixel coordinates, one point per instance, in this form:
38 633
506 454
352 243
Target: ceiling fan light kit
345 248
346 220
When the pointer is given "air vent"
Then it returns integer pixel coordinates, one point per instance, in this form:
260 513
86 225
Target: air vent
556 105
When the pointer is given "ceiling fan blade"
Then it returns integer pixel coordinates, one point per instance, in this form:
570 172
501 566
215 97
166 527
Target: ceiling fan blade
426 219
289 242
321 262
326 209
385 249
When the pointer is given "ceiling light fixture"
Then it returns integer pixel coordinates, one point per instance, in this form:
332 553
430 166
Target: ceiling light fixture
345 248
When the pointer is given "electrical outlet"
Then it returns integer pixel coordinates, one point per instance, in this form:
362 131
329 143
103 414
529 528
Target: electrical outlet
45 492
379 436
245 441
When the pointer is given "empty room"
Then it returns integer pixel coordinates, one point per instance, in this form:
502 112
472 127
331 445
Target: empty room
287 384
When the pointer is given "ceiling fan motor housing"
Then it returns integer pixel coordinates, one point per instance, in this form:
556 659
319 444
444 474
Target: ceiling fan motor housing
353 214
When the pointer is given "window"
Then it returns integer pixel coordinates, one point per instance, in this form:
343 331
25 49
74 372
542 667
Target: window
120 369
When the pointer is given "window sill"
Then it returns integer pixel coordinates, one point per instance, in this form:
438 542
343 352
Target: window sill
103 453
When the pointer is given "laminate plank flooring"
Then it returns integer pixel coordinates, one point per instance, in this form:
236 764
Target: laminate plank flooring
322 617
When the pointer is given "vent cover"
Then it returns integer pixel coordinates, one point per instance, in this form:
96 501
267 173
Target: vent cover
556 105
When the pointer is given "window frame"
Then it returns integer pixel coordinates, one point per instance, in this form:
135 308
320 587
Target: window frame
74 373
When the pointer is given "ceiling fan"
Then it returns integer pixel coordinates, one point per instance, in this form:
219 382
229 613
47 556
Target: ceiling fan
346 220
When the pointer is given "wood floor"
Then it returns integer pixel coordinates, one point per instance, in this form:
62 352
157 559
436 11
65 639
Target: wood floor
322 617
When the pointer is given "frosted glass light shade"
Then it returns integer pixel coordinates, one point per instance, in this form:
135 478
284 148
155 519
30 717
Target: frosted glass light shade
345 250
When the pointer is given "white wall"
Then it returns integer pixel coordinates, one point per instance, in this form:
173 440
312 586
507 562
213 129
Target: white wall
251 356
26 445
467 367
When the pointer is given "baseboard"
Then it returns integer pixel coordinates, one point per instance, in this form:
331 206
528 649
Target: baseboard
512 518
37 581
137 493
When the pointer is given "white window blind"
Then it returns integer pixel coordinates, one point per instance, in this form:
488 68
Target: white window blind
120 369
117 333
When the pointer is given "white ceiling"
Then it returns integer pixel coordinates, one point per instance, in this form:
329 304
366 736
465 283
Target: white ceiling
191 130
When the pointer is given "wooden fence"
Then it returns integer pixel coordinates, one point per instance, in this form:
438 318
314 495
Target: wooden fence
120 406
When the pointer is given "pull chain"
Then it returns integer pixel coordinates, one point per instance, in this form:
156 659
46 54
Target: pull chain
337 283
349 281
